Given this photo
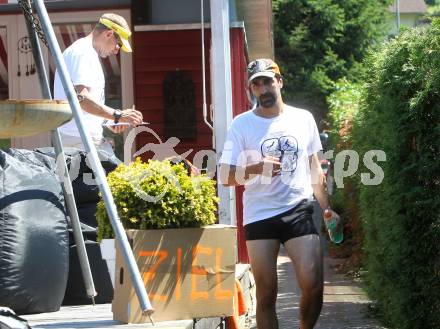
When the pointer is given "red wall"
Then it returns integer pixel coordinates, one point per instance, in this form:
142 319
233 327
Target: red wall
158 52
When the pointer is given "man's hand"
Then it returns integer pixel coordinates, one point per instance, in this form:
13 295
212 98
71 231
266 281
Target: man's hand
117 129
132 117
231 175
88 104
270 166
328 212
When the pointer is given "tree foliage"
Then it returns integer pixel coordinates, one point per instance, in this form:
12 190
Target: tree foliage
319 41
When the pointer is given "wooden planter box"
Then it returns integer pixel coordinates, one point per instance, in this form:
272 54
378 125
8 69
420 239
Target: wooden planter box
188 273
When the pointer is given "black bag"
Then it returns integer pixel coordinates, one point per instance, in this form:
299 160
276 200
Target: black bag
87 213
76 291
86 199
33 233
84 187
88 232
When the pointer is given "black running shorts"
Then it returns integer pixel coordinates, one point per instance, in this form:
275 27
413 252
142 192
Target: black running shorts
291 224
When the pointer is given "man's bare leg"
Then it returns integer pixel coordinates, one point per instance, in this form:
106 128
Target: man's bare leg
306 255
263 258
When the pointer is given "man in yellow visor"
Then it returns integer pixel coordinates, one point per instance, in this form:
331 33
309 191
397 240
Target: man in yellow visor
82 59
118 24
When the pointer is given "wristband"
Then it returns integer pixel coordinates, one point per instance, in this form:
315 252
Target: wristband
80 97
117 114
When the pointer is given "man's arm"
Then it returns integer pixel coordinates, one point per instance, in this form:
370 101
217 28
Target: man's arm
318 182
89 105
231 175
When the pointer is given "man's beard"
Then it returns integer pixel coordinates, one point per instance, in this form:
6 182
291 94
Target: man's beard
267 100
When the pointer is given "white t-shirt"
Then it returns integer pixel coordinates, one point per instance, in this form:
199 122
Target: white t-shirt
85 68
292 137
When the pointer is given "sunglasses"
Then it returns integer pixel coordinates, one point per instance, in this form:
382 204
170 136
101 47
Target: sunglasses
118 39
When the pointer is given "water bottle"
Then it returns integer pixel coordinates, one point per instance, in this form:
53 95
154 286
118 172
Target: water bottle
334 226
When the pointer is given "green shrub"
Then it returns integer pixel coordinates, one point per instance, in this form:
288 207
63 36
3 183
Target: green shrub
5 143
344 104
400 115
156 195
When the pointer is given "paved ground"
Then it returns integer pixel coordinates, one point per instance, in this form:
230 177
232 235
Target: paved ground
345 303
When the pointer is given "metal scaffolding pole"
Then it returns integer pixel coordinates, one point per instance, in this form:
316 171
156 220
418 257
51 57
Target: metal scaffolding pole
120 235
61 159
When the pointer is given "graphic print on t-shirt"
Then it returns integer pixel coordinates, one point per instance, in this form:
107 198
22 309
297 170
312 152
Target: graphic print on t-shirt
285 148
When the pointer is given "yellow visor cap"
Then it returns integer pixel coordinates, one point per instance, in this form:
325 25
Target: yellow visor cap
122 33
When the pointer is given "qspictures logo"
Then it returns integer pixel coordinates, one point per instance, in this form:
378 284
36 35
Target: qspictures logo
285 148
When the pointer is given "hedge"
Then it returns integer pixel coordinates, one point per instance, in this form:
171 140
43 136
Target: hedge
400 114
